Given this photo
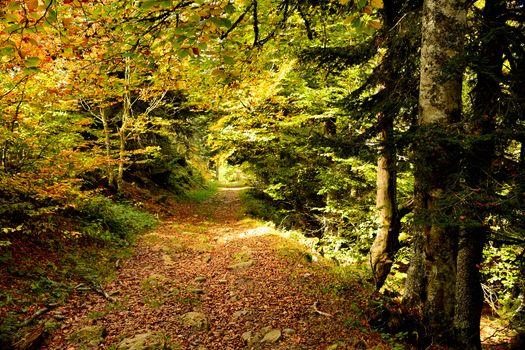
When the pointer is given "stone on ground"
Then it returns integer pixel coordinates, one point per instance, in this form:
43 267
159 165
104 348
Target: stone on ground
272 336
88 336
250 338
144 341
241 265
289 331
239 314
194 319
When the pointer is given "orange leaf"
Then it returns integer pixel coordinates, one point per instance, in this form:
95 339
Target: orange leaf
375 24
32 5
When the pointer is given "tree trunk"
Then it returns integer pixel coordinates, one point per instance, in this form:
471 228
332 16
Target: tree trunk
443 30
386 242
107 146
121 158
330 127
469 295
468 288
414 293
126 119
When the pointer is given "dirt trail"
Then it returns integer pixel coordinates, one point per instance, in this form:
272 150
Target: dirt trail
209 259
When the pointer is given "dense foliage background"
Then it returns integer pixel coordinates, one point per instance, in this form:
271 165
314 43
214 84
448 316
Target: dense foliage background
105 103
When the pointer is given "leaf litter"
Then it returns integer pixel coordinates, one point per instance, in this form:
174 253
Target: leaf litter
185 266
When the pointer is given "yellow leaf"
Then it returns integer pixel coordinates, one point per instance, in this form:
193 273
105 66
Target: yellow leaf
344 2
378 4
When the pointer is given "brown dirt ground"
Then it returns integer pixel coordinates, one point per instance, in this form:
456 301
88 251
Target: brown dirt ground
202 239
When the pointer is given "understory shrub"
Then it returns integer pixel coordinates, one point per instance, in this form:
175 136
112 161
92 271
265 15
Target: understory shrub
104 219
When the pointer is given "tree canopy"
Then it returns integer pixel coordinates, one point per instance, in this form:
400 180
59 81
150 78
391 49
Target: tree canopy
392 131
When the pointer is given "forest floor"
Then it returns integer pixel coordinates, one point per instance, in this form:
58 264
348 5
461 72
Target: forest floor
210 278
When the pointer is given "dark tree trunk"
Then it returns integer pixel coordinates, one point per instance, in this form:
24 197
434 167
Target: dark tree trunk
469 295
468 288
330 127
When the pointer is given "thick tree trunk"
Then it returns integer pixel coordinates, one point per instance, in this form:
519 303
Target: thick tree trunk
414 293
469 295
443 31
386 242
440 265
468 288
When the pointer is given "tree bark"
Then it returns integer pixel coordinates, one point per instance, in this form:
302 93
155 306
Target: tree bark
386 242
468 288
107 146
414 293
126 119
443 30
469 295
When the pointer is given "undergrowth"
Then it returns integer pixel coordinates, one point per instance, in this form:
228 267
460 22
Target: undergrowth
40 271
113 222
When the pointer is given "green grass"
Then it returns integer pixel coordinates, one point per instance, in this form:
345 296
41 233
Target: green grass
201 194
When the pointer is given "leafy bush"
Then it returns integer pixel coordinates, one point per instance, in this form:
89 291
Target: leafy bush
503 285
107 220
258 204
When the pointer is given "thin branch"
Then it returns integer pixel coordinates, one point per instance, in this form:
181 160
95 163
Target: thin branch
236 23
255 24
316 310
307 24
24 79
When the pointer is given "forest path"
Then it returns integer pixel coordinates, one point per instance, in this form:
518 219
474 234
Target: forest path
251 285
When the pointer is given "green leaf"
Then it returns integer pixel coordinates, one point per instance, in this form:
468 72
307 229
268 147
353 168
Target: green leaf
165 3
183 53
13 28
147 5
51 17
221 22
361 4
229 9
228 60
68 52
32 62
13 6
30 71
195 18
11 17
180 30
7 51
